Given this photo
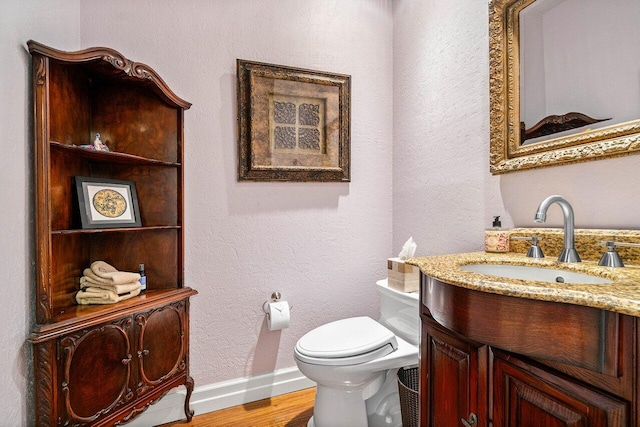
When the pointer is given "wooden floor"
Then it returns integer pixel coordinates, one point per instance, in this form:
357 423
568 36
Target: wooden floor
287 410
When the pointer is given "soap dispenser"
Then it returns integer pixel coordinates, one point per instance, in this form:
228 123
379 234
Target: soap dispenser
496 238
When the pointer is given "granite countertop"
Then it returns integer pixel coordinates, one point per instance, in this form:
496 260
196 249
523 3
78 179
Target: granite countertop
621 296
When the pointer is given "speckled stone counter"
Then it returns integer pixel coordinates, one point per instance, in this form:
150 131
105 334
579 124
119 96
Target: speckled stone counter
622 296
587 242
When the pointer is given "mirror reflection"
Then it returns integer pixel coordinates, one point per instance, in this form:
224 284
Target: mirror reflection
579 66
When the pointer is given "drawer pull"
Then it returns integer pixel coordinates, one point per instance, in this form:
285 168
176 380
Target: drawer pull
471 421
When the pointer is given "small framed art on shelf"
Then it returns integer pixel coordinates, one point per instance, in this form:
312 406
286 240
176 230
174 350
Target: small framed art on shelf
107 203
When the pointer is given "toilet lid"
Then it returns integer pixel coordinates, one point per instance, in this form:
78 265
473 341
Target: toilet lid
346 342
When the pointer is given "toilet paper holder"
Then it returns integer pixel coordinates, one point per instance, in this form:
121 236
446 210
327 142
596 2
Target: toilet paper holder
275 297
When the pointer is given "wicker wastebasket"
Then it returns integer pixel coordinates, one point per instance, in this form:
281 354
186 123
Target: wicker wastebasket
408 379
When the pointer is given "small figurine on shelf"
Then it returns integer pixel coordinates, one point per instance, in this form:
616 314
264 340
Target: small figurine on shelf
96 146
99 145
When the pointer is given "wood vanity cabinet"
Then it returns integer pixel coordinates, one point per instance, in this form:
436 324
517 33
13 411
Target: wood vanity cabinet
105 364
496 360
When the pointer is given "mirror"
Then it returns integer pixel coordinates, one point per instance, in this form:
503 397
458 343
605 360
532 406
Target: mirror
563 69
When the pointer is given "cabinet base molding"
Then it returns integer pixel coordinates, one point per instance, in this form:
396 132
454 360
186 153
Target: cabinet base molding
221 395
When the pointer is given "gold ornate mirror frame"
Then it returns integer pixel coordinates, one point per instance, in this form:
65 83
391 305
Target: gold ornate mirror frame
506 152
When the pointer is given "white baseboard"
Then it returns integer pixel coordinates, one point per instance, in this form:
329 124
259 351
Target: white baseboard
212 397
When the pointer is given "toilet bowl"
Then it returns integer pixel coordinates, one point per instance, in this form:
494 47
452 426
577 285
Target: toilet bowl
354 363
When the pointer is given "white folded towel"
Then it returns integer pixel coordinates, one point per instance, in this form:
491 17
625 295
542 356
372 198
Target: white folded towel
101 272
102 296
88 282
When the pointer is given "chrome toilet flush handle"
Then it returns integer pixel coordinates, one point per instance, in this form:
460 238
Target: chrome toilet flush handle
611 258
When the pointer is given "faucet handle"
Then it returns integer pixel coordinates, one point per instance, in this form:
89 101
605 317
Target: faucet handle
611 258
609 243
534 251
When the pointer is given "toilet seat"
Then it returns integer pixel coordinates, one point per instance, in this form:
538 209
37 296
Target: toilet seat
346 342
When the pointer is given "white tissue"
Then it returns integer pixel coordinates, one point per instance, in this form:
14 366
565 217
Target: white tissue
278 316
408 249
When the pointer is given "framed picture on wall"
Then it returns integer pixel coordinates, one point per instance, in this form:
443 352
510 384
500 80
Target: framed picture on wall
107 203
293 124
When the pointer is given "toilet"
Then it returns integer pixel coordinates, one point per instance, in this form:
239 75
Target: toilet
355 362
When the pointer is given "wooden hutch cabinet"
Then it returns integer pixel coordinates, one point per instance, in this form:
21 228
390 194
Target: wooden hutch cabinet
502 361
105 364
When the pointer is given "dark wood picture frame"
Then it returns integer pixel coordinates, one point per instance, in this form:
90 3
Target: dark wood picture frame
107 213
293 123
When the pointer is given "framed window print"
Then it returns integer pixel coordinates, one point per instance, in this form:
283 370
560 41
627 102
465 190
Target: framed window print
107 203
293 124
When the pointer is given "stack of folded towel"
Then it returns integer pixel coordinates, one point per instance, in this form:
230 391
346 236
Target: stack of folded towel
103 284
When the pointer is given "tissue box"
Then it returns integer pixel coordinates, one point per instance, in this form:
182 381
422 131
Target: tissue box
402 277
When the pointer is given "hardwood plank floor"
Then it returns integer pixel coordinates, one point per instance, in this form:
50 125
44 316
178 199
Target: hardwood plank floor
287 410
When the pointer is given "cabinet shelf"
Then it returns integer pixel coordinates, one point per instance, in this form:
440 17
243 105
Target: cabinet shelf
108 157
82 316
115 230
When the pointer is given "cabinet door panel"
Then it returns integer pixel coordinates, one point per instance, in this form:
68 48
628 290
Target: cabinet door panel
526 396
97 371
161 342
452 379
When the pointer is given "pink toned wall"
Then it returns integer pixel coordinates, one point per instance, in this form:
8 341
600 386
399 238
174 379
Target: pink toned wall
443 193
58 23
322 245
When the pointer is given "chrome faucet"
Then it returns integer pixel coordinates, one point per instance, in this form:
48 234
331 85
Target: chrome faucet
569 253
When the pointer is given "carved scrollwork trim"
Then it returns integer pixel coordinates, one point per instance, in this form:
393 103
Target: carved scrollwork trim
118 61
133 69
506 154
44 355
43 308
39 71
189 384
608 148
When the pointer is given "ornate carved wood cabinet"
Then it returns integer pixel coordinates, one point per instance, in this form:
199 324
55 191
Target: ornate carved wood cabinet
105 364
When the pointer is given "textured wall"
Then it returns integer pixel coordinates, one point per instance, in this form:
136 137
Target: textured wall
443 193
57 23
443 196
322 245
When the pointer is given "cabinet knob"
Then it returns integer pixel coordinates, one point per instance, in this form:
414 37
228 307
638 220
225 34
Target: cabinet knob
471 421
127 360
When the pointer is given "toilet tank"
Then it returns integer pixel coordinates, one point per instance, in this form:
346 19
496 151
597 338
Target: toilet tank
399 312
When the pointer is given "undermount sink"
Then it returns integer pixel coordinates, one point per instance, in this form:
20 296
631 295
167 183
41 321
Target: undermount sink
534 273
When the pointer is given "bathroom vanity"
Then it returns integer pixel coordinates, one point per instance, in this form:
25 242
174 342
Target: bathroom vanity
498 351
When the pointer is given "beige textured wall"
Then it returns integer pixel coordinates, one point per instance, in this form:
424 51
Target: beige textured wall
322 245
57 23
444 194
